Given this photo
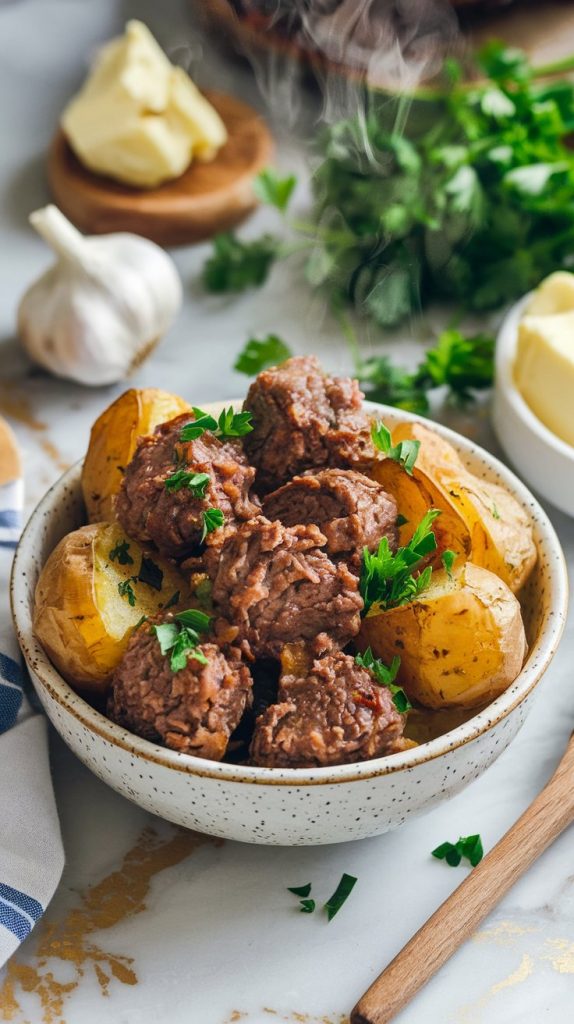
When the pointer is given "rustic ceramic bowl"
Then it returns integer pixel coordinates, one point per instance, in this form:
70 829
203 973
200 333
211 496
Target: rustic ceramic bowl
296 806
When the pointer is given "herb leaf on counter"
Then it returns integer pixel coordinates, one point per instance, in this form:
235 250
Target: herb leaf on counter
306 906
271 188
385 675
467 846
405 452
341 894
257 354
300 890
387 579
235 265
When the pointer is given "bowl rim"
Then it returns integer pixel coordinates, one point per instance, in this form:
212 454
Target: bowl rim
506 344
47 678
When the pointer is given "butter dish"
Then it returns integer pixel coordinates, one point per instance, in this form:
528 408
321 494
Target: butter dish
544 460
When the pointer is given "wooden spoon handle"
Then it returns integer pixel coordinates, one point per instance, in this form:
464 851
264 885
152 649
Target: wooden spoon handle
462 912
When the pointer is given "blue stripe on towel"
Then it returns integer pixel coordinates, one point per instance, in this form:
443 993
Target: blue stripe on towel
10 702
12 919
10 518
10 670
26 903
9 544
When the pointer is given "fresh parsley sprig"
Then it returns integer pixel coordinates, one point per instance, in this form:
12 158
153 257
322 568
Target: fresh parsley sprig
259 353
230 424
469 847
197 483
213 519
388 580
181 638
405 452
121 553
385 675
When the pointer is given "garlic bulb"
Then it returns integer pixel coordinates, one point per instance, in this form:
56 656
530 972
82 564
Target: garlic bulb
102 307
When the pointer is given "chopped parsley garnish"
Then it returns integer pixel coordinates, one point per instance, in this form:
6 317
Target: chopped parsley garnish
300 890
495 512
401 521
405 452
121 553
229 424
194 482
306 906
181 638
270 188
125 589
385 675
342 892
387 579
448 558
150 573
213 518
257 355
467 846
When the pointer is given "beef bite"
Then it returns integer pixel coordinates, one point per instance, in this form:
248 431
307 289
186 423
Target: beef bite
336 714
350 509
156 502
194 710
304 419
276 585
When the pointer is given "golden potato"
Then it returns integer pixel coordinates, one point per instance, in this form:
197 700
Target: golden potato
500 531
415 495
461 642
94 588
113 441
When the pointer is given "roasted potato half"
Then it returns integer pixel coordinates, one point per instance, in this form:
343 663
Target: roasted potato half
93 590
500 531
415 495
461 642
113 441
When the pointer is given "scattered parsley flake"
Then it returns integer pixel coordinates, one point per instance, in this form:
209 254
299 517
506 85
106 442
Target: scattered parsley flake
401 521
306 906
125 589
405 452
300 890
121 553
258 354
385 675
466 846
495 512
213 518
341 894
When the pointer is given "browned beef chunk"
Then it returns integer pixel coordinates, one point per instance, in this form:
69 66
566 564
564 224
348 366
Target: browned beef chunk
194 710
336 715
303 419
277 585
173 518
350 509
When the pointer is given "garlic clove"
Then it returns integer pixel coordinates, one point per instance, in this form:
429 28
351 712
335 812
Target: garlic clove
102 307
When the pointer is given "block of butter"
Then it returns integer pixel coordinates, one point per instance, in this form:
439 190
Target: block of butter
137 118
544 369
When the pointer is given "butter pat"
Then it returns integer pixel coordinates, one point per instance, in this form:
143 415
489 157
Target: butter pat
139 119
544 370
554 295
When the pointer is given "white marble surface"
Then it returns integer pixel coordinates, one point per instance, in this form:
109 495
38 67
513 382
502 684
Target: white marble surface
215 938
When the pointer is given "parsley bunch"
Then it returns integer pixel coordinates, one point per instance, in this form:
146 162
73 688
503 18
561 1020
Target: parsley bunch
388 580
181 638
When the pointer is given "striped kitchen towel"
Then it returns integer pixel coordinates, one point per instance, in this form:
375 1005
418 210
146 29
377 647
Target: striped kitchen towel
31 853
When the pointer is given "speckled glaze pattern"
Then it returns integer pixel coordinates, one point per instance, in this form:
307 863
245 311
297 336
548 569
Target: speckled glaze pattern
292 807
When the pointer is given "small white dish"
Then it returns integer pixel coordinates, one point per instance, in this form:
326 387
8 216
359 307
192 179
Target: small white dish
544 460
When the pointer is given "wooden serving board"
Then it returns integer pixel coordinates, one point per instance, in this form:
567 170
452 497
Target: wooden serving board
206 199
10 463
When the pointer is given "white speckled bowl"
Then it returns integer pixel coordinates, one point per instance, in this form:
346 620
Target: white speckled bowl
297 806
544 460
